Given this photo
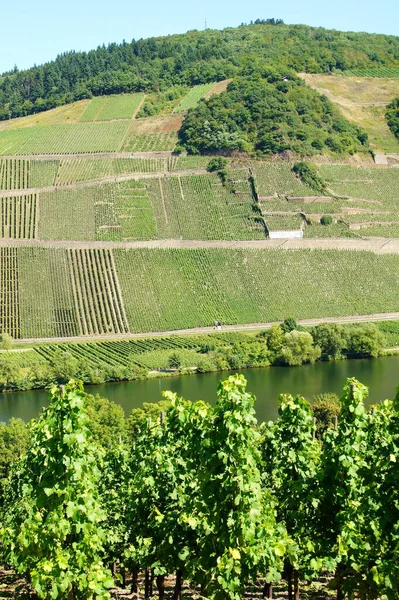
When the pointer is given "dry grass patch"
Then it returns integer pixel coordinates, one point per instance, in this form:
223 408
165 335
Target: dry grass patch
70 113
357 90
362 101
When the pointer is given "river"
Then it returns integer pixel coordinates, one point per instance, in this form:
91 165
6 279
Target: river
380 374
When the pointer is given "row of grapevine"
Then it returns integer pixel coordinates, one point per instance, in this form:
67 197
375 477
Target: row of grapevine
206 494
14 174
97 292
9 292
19 216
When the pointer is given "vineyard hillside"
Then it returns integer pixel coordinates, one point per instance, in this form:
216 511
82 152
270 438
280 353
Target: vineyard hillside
121 208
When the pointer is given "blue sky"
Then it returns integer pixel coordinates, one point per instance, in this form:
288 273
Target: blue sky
35 32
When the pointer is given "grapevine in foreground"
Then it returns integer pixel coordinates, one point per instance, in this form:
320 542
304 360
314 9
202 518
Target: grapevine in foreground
201 493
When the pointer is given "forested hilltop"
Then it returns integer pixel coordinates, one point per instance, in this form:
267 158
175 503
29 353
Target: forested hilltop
188 59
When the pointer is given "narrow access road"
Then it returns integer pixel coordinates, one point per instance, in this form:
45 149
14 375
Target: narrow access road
225 328
376 245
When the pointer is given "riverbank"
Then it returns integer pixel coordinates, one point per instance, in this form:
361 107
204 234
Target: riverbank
100 362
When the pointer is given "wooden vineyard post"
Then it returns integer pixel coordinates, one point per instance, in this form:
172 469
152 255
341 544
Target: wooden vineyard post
296 584
178 585
135 588
151 586
314 427
268 591
161 586
147 583
289 581
339 580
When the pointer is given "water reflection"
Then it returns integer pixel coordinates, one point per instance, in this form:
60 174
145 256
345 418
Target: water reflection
381 375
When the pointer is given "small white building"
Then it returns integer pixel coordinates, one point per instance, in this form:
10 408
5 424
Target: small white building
289 235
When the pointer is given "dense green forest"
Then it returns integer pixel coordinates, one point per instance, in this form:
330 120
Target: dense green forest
266 112
195 57
204 493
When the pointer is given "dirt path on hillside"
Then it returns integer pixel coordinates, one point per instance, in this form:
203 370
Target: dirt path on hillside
203 330
111 179
149 154
377 245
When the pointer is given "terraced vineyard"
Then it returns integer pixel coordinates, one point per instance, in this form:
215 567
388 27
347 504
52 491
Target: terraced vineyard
9 292
192 97
19 217
47 307
96 291
198 291
199 207
69 214
42 173
190 207
126 352
368 183
73 170
49 291
152 142
64 139
14 174
69 170
25 359
107 108
278 179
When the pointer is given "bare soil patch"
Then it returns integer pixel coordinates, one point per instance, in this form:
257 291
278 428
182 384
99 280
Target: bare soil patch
218 88
158 124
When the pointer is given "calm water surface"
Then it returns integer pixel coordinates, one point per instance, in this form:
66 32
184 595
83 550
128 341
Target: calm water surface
381 375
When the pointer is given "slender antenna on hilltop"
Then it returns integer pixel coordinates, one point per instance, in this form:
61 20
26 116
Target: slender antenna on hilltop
206 25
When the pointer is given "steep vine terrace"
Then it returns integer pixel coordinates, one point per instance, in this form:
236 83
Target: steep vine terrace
118 214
